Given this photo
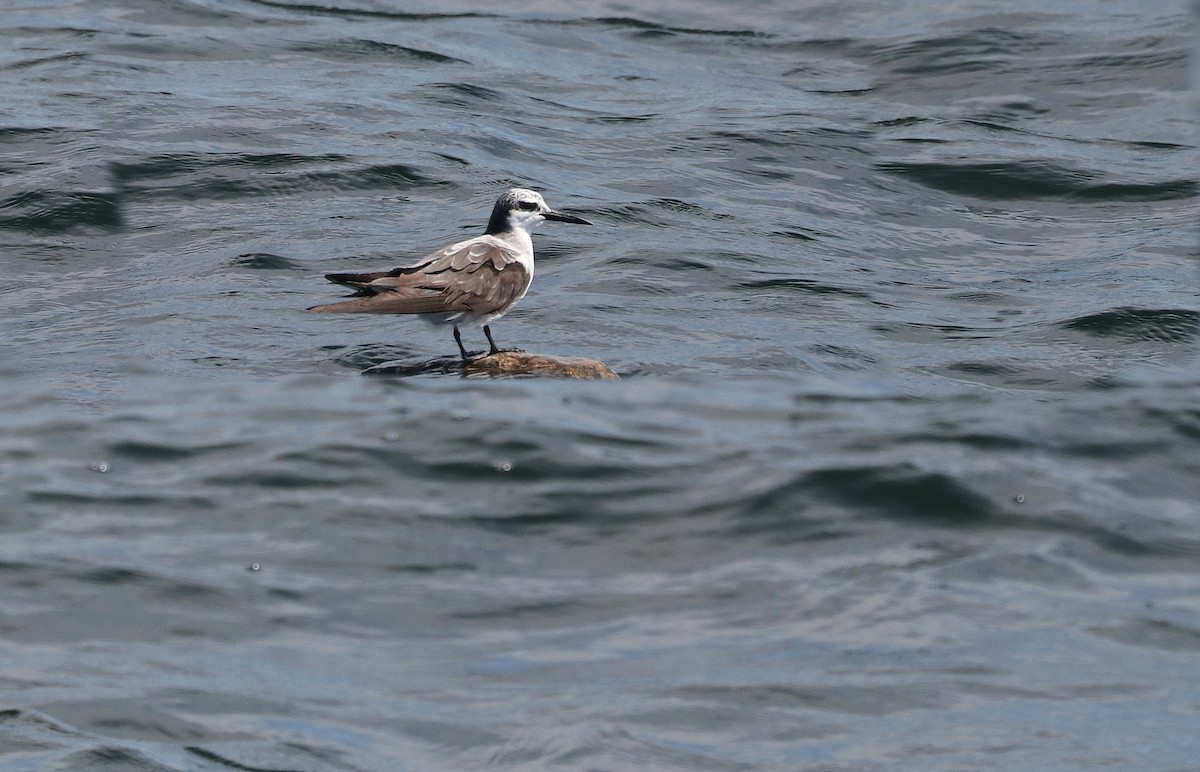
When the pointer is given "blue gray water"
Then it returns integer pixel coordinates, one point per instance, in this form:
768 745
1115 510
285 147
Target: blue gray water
902 471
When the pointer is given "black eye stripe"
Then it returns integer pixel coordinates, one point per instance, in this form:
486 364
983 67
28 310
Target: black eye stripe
529 205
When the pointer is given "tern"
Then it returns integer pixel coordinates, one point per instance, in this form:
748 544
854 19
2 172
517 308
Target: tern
471 282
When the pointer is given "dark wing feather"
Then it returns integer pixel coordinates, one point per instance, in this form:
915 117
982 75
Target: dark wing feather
355 280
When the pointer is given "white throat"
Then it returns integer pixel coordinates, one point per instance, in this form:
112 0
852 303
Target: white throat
522 220
522 243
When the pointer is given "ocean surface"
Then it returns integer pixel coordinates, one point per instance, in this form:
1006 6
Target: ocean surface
902 471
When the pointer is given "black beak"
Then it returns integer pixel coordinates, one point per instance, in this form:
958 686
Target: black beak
550 214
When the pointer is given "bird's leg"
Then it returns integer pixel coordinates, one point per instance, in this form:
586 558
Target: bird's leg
496 349
458 340
488 332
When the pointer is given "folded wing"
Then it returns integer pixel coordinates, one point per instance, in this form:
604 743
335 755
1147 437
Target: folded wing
480 276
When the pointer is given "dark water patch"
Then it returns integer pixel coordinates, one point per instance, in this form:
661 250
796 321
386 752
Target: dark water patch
973 52
988 123
25 64
685 264
928 331
958 437
35 718
343 12
170 165
224 761
985 368
1136 144
113 758
311 757
1185 421
1115 450
432 568
989 180
649 29
54 212
1170 190
983 296
844 357
150 452
679 206
166 52
1176 325
81 33
174 591
523 611
33 132
464 95
218 361
113 576
805 286
861 700
1010 374
279 479
1175 58
1088 693
901 491
353 49
1034 180
163 500
620 119
236 176
904 122
265 261
1152 633
802 234
1120 542
784 515
167 589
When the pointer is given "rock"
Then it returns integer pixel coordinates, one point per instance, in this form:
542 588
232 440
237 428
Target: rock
503 364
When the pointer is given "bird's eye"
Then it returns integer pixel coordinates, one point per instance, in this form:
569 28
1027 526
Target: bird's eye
528 206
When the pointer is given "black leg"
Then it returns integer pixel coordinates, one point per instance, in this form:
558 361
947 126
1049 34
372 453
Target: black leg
458 340
487 330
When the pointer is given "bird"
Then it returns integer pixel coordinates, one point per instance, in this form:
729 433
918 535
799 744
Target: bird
472 282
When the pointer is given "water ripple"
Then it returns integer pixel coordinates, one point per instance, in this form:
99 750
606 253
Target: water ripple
358 48
61 212
1140 324
197 177
1036 180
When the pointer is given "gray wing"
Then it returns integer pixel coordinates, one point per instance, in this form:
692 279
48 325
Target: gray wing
479 276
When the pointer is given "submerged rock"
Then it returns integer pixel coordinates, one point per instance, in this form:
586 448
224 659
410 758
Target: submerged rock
503 364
